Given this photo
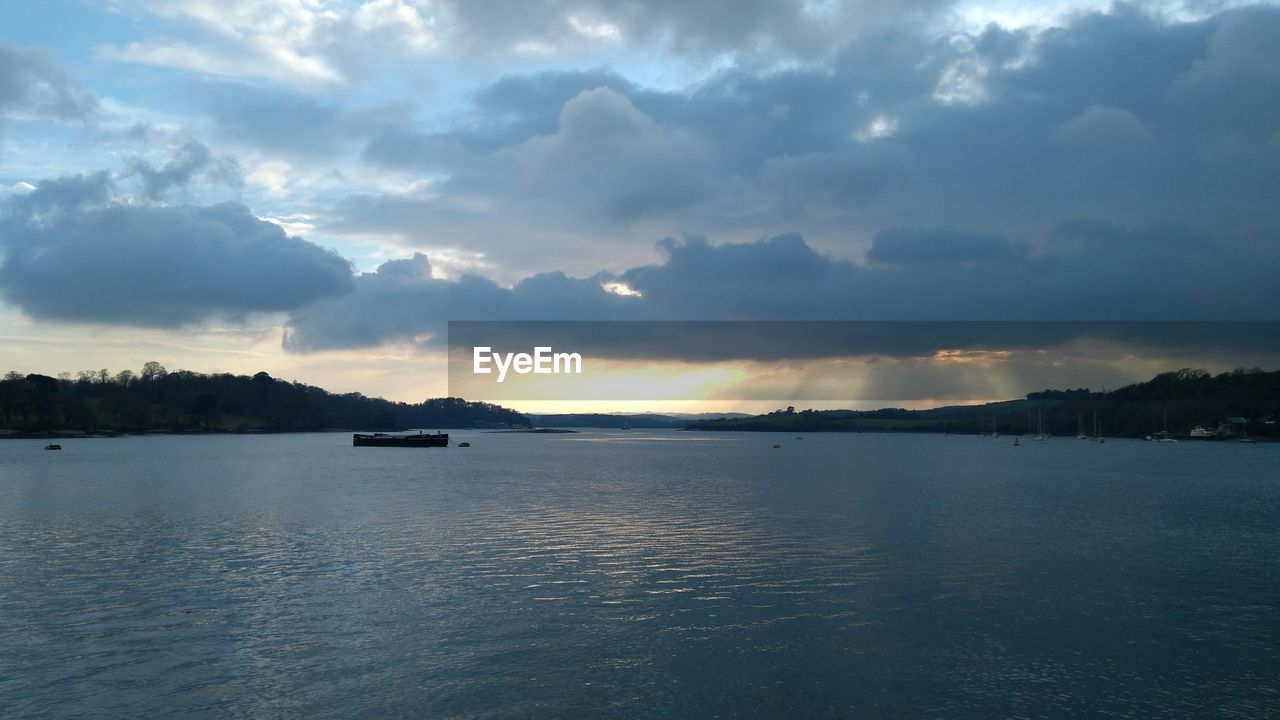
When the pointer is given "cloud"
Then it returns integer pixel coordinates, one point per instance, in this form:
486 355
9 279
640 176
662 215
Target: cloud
608 158
294 42
1245 43
1123 116
331 42
1233 87
915 246
32 84
845 179
282 122
254 58
1104 125
395 21
192 160
952 342
756 29
606 161
1151 273
74 250
607 167
399 301
505 113
959 163
402 301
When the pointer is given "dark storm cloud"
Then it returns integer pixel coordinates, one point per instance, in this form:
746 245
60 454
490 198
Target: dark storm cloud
32 83
1150 273
1159 274
401 301
1109 117
73 250
192 160
784 278
850 178
913 246
785 340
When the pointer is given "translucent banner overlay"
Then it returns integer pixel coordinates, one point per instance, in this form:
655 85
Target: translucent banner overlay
832 361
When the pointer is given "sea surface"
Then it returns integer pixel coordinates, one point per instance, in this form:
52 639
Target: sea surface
639 575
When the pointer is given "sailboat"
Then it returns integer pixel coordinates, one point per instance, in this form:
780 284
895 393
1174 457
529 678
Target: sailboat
1097 436
1164 436
1040 436
1080 429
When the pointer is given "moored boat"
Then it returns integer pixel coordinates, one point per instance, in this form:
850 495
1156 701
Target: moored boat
395 440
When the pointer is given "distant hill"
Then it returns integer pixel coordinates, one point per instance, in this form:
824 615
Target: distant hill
608 420
618 420
677 420
183 401
1190 398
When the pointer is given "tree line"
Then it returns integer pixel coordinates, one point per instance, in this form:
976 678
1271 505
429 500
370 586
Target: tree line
155 399
1179 401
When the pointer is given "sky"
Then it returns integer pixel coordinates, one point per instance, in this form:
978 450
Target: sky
315 187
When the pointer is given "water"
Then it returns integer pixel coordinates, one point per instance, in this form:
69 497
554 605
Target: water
639 574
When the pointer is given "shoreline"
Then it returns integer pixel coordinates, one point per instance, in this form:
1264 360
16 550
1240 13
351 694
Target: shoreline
109 434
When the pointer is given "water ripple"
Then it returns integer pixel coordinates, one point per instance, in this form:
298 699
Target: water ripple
652 575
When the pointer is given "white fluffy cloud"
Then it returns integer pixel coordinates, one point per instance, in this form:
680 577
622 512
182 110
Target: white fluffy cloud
290 41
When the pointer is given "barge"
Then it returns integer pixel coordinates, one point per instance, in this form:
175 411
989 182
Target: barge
394 440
